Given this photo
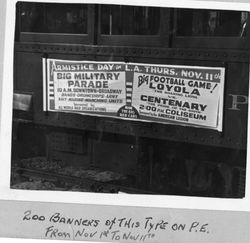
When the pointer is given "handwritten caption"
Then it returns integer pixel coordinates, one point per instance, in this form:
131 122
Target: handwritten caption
145 229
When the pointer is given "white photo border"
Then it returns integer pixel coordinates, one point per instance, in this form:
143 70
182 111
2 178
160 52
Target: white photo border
158 201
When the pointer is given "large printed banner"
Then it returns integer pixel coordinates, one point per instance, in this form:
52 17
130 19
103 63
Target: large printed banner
185 95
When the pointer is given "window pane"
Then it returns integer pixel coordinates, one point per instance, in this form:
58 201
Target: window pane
211 23
128 20
32 17
53 18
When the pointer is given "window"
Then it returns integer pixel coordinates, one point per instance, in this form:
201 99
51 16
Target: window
133 25
211 23
37 21
51 18
208 28
128 20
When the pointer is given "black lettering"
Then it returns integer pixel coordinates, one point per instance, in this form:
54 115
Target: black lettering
26 215
203 228
193 226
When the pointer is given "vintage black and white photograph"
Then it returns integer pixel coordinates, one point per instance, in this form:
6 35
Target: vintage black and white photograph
130 99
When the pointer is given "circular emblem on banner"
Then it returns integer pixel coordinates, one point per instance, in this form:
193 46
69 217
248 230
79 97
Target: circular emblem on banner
128 112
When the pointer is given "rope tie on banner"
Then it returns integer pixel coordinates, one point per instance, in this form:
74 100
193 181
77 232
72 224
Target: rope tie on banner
45 57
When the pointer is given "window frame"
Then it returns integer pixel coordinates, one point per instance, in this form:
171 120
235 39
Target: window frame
213 42
161 40
70 38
